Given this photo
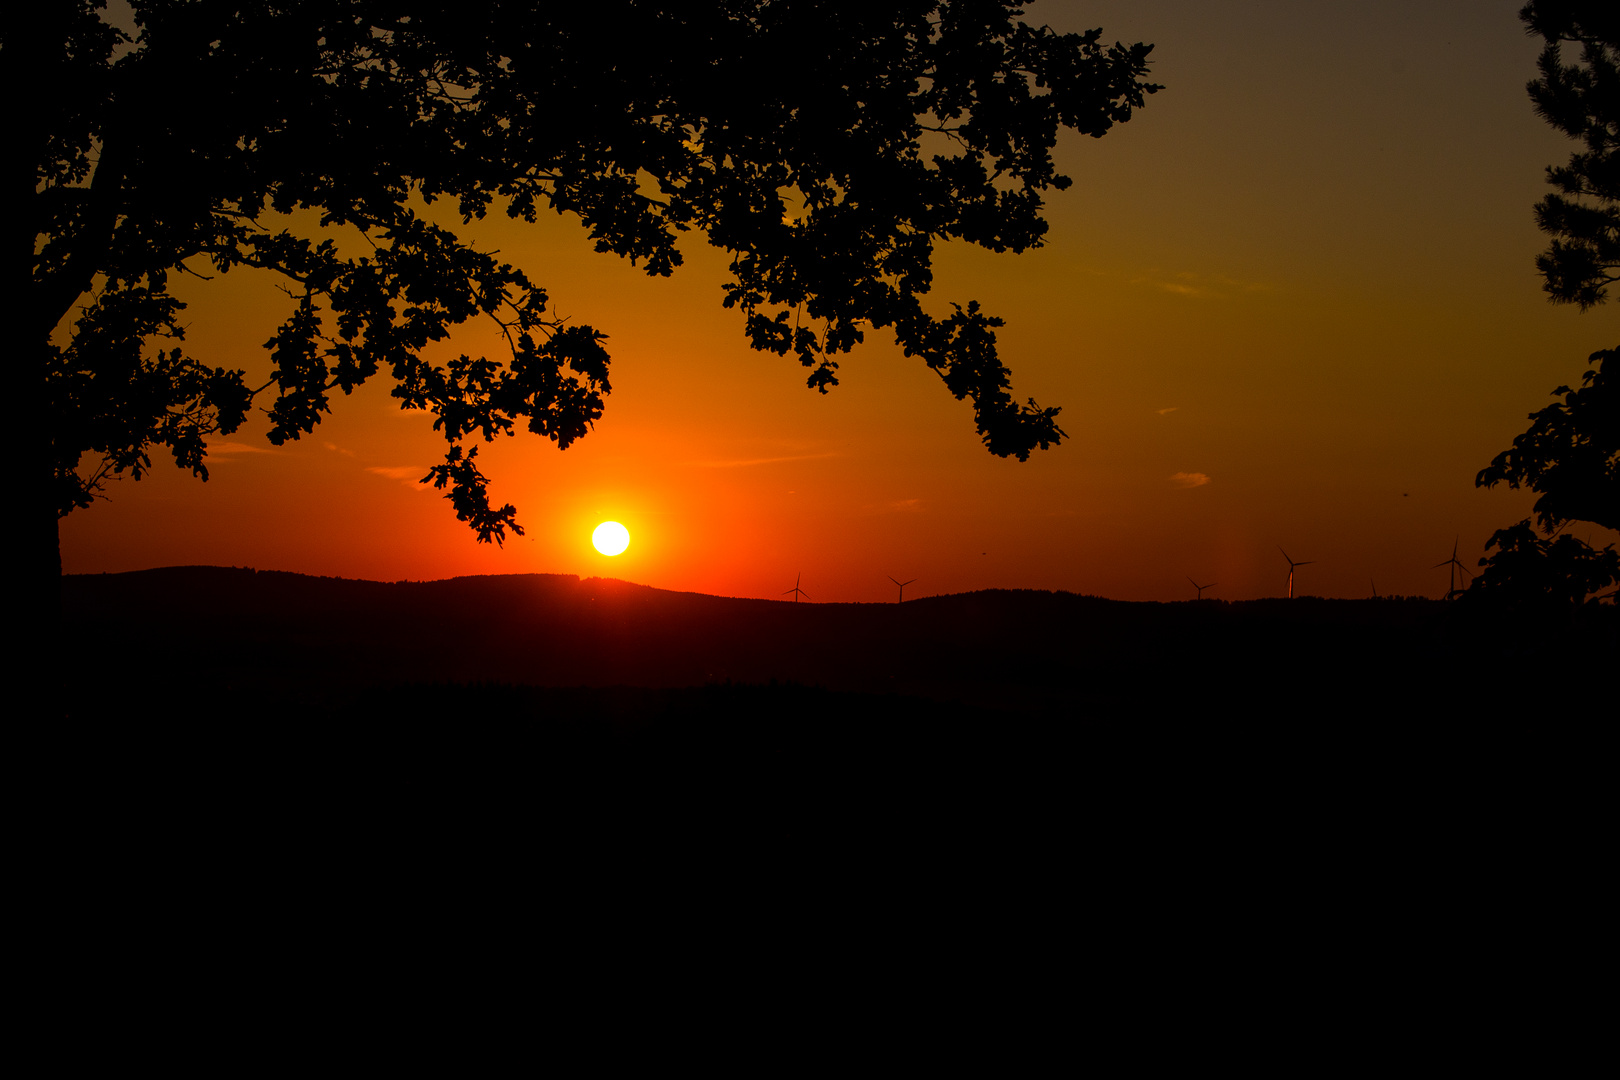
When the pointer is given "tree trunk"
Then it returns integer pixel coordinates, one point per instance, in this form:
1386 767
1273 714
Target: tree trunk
37 569
31 67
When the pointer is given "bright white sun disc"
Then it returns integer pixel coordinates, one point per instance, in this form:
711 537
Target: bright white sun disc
611 538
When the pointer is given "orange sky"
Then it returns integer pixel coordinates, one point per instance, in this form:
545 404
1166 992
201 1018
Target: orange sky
1293 302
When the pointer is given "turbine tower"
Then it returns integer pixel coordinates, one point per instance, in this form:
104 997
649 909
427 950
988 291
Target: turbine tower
796 591
1455 566
1201 588
1292 566
902 585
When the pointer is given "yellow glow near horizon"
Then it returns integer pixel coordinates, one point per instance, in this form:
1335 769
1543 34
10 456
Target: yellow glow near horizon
611 538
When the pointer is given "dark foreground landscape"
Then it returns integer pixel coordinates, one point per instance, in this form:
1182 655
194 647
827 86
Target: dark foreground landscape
1043 728
236 644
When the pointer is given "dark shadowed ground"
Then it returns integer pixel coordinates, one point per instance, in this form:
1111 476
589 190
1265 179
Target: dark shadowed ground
1385 780
603 659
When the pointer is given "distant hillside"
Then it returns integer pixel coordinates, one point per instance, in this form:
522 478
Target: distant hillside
996 729
237 637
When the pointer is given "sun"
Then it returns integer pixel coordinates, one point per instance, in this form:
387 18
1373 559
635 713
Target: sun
611 538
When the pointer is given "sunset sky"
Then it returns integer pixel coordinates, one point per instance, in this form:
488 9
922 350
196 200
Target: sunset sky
1293 302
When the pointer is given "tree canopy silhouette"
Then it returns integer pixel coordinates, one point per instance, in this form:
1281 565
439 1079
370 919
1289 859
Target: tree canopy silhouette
1583 101
826 146
1570 455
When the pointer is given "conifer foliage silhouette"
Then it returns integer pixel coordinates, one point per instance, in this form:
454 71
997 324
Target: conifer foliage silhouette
827 147
1582 100
1570 455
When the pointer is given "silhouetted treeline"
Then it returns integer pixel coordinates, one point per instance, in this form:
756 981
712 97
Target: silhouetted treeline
1030 751
277 646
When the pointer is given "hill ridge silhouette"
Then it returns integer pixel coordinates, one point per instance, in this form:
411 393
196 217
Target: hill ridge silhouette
244 632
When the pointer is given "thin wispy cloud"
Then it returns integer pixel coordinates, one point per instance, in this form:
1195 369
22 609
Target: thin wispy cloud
1199 286
742 463
227 447
1171 409
338 449
1189 479
906 506
409 475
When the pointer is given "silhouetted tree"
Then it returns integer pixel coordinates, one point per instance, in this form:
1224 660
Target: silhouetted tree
1530 571
1583 101
1571 452
827 146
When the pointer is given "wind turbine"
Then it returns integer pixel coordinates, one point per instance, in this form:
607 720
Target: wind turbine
1292 566
902 585
1375 588
1455 566
1201 588
796 591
